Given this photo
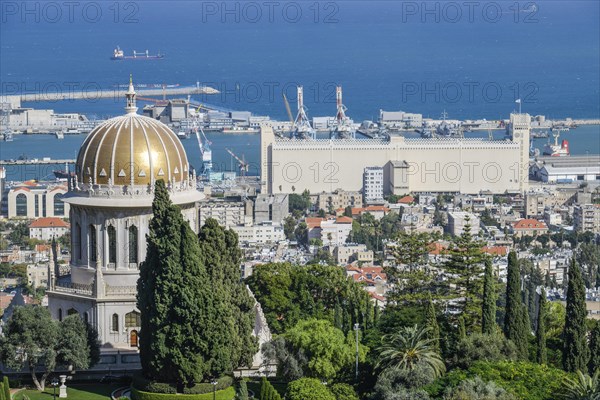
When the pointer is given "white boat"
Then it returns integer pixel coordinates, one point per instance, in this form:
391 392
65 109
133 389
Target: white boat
556 150
59 134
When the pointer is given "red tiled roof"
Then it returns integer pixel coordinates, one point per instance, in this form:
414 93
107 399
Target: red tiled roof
437 248
343 220
406 200
49 222
529 223
377 208
495 250
313 222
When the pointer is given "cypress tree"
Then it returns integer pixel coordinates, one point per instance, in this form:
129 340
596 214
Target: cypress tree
594 364
376 313
540 333
462 331
263 388
6 387
575 351
242 390
173 298
531 304
230 343
514 327
338 321
432 324
488 312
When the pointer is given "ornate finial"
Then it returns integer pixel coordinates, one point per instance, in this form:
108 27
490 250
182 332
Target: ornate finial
130 95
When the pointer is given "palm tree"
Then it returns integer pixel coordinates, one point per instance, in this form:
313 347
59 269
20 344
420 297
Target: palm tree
407 348
583 387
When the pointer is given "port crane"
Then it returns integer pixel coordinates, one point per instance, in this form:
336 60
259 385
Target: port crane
243 165
343 127
205 151
303 128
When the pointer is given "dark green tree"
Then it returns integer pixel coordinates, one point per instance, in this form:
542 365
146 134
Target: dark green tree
348 211
174 299
230 342
289 224
31 338
432 324
411 276
513 318
301 234
72 343
488 312
462 330
93 343
575 351
540 333
465 266
594 363
6 385
242 393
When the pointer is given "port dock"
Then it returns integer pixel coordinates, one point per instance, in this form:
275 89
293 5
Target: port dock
35 161
116 93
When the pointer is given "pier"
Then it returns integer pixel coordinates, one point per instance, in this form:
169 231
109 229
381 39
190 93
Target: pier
116 93
36 161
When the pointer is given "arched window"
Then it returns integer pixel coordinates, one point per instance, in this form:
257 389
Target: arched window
133 244
59 206
93 243
77 242
114 326
86 318
112 244
133 319
60 314
21 205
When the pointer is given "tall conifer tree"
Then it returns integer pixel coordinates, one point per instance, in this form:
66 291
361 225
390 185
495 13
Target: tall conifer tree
514 326
540 333
575 351
488 313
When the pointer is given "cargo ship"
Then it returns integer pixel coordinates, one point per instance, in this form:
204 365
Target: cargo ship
118 54
556 150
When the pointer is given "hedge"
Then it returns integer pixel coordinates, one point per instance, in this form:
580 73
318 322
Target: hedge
146 385
227 394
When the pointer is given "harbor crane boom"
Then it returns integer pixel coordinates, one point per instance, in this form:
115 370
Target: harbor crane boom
242 164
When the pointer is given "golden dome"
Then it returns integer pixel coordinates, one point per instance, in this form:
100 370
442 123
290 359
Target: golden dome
131 150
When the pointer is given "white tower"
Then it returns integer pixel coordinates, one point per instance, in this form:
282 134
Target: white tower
520 127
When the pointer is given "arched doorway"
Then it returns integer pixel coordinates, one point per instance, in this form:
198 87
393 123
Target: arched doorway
133 338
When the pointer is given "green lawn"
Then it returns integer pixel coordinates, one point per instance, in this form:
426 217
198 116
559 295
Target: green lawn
75 392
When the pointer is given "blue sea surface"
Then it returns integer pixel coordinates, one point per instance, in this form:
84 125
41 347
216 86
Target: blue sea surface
423 57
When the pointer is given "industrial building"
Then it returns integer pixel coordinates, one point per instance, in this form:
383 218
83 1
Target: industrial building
567 169
399 119
450 165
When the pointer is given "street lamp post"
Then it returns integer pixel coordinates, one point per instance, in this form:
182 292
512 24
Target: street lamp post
54 385
356 327
214 383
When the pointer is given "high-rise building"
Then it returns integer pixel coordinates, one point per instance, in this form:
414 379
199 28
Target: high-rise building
373 185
